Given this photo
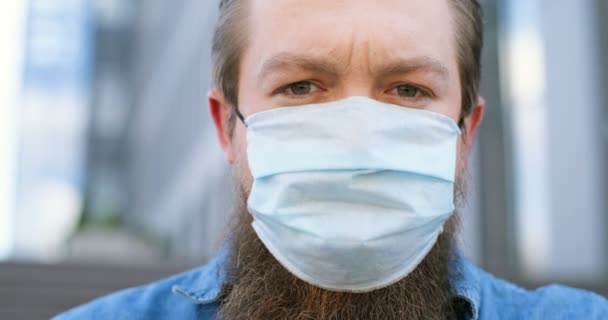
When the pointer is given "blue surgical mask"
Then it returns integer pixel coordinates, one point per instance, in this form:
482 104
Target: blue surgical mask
350 195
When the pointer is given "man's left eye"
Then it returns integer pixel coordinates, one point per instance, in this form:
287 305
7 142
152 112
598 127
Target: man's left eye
407 91
301 88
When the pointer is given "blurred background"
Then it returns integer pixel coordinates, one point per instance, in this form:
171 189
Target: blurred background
111 176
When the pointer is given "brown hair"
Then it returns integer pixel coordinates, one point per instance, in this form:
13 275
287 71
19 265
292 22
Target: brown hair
229 40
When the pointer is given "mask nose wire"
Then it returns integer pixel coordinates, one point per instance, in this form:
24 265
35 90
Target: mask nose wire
240 116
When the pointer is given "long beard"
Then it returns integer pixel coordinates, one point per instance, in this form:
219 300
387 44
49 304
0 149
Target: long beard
260 288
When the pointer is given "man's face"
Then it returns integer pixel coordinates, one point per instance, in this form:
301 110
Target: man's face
401 52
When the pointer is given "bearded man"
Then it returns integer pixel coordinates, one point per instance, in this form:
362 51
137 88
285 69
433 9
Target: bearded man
348 124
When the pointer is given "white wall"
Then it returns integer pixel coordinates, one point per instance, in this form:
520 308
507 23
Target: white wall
575 160
12 22
553 96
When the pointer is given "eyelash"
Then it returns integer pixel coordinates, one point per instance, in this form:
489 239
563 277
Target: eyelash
283 90
423 92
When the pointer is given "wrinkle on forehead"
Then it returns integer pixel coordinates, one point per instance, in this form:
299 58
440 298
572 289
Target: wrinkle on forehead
359 34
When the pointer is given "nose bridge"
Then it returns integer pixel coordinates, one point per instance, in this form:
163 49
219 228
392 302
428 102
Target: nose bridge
359 87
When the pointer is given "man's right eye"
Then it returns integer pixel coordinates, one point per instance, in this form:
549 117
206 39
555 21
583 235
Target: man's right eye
301 88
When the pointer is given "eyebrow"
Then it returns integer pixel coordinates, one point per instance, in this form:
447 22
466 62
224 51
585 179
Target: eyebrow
329 66
285 60
410 65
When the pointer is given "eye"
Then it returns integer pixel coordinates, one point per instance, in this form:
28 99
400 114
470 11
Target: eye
301 88
407 91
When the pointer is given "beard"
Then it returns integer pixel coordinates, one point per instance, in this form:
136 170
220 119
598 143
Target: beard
259 287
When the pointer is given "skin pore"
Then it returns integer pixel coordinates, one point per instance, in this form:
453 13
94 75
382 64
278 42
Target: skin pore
401 52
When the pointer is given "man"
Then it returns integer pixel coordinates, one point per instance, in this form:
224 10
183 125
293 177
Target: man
349 124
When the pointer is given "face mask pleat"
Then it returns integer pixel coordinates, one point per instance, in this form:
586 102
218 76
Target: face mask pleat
350 195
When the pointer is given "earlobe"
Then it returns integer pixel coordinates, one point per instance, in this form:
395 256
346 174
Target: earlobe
220 113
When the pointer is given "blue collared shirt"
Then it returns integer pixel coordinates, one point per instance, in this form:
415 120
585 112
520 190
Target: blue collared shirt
194 295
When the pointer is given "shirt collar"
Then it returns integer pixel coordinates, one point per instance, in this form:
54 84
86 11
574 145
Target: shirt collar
206 285
466 286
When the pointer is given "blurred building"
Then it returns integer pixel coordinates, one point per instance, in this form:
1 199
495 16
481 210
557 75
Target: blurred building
154 161
50 122
108 154
156 186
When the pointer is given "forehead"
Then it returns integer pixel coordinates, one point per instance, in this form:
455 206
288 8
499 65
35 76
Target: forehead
353 31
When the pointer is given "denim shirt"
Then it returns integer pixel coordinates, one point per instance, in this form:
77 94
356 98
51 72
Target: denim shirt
479 295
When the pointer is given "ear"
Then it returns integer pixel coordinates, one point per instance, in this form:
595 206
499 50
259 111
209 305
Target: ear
472 122
220 112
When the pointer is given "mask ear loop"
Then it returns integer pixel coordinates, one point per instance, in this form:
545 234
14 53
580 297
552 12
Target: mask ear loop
461 123
240 116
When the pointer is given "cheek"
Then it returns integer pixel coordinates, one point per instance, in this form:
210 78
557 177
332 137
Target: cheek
241 165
